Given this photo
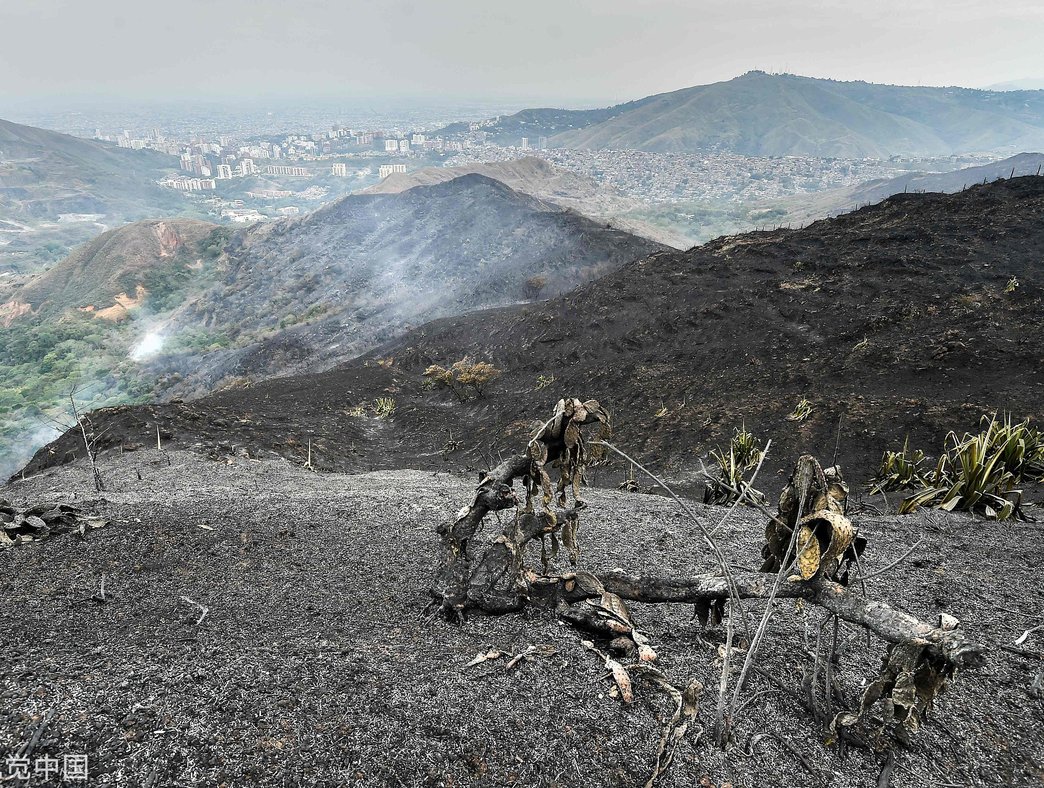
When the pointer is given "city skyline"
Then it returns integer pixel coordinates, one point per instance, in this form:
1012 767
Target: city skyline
570 52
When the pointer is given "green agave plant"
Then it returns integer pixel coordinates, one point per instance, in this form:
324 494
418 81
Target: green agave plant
982 472
733 466
899 470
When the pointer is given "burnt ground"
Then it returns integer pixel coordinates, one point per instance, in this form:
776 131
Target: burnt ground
893 319
316 665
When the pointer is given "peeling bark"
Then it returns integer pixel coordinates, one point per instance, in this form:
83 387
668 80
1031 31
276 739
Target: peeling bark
886 622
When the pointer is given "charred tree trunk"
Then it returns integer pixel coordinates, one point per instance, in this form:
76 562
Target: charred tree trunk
496 583
495 492
883 620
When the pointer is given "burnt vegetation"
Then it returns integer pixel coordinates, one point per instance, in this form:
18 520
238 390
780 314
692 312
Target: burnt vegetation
849 315
812 552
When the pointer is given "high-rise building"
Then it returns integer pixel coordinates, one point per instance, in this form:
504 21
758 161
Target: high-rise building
282 169
525 143
387 169
391 146
224 172
339 169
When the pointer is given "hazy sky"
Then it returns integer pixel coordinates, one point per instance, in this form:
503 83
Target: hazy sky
547 51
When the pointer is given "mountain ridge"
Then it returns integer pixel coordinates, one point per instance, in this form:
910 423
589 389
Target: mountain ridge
371 264
538 177
782 114
53 173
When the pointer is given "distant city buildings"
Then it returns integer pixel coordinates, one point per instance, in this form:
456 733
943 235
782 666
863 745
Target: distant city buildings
184 184
242 215
339 170
525 143
281 169
224 172
387 169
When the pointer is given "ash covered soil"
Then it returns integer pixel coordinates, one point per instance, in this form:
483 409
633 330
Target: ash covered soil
317 665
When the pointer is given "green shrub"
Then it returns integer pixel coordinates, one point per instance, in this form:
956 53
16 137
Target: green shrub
983 472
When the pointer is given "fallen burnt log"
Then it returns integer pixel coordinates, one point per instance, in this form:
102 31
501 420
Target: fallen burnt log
886 622
810 550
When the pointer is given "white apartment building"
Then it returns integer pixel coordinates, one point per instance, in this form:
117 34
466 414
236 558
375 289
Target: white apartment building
387 169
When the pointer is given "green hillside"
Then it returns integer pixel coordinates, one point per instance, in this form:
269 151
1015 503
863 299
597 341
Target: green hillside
781 114
57 191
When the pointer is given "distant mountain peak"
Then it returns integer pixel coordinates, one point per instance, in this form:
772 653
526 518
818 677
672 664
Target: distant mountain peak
763 114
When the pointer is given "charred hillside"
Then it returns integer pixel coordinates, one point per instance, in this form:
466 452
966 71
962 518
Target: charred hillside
305 294
913 316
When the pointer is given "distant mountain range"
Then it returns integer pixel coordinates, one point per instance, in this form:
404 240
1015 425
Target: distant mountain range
55 187
763 114
1018 84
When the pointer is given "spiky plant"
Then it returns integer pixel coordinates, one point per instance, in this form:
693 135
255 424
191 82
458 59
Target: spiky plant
899 470
983 472
802 410
732 467
383 407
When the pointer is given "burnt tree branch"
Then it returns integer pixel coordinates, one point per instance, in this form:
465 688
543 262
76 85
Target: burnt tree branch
886 622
